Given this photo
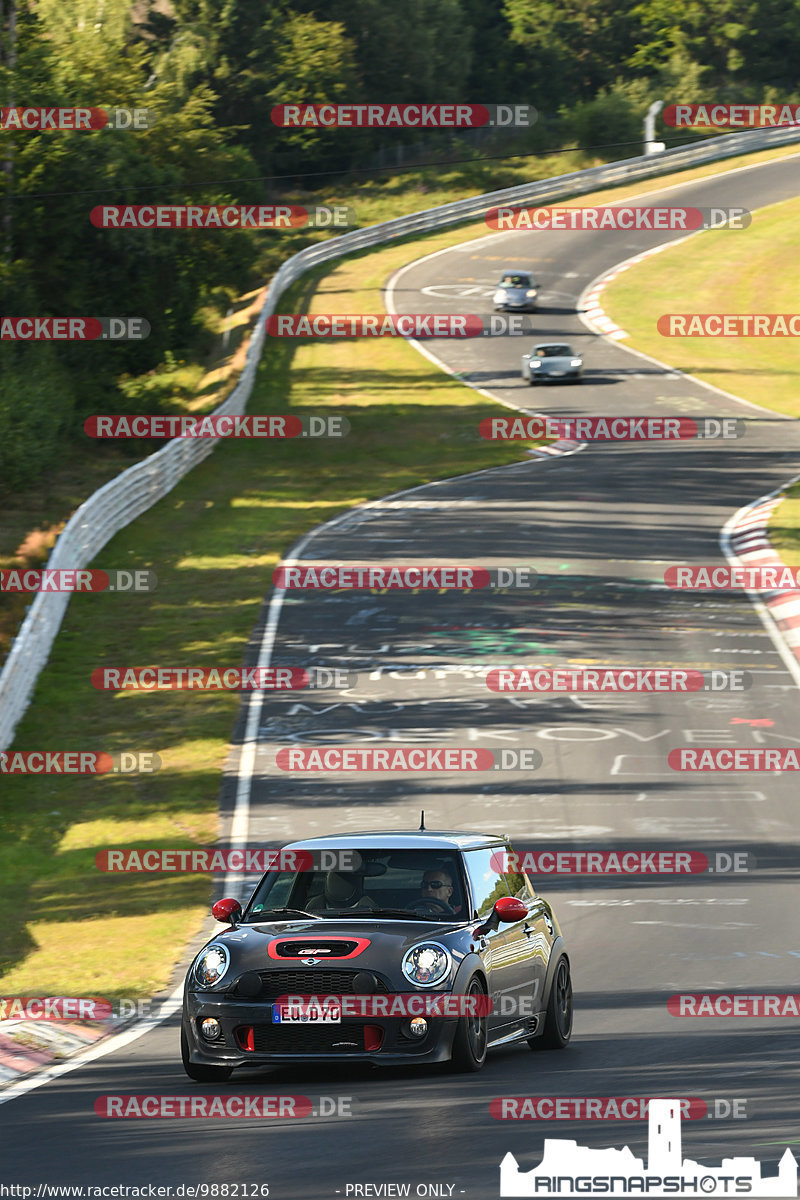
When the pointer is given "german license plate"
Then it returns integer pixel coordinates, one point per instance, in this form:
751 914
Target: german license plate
306 1014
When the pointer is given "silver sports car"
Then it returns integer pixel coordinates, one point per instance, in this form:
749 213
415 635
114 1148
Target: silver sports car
516 290
551 360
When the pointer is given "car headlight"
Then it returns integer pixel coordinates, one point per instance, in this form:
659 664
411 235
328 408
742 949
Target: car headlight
532 292
499 295
575 362
212 965
426 964
535 362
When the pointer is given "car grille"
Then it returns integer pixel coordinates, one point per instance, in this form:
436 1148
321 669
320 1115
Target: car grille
310 982
309 1039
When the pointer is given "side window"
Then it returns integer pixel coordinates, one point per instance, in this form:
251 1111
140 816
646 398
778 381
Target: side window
487 884
520 886
518 882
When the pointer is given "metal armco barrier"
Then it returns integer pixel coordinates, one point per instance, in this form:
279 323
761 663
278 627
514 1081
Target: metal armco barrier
136 489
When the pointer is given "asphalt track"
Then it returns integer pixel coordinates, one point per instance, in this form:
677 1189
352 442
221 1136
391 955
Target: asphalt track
599 526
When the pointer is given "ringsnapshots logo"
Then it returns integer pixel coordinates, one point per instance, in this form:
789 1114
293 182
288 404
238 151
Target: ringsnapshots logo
414 326
331 577
621 218
615 679
221 679
402 116
222 216
610 429
568 1170
217 425
78 762
730 116
74 579
73 329
41 120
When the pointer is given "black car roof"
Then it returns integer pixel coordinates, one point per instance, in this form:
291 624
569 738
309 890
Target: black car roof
403 839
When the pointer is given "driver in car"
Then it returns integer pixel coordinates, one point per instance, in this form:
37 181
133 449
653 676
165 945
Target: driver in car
437 885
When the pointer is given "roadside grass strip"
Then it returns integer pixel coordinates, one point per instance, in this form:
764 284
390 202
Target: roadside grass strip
720 271
783 528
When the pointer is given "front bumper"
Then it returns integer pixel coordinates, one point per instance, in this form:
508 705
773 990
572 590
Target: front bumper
352 1040
553 376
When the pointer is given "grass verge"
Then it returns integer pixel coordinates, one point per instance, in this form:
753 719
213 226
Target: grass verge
720 270
784 526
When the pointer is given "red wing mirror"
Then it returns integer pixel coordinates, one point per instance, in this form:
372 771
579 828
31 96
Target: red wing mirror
226 910
508 908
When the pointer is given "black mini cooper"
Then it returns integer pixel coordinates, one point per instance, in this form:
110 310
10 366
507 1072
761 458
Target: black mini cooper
387 948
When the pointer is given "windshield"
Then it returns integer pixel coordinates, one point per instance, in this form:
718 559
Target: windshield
515 281
417 884
553 352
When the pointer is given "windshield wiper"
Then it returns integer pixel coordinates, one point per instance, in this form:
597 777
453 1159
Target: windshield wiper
294 912
380 912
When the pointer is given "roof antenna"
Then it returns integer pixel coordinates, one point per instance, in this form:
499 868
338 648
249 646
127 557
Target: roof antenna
422 821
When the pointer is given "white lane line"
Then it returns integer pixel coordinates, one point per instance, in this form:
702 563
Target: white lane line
170 1006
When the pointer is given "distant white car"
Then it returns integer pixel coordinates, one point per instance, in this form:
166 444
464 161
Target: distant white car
516 290
551 360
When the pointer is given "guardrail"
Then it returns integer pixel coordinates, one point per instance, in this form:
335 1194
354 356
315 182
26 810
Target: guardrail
135 490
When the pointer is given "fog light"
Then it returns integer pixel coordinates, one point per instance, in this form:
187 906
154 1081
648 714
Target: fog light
210 1028
418 1027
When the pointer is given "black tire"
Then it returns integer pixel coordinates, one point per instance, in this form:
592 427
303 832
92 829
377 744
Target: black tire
558 1019
198 1071
471 1040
